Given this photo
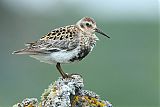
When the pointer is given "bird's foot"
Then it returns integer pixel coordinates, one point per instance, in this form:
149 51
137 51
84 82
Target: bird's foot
67 76
70 76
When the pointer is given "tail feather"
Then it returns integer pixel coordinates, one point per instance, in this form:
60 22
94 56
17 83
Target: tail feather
25 51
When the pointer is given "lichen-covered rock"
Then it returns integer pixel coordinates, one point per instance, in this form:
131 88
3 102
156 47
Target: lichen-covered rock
27 102
69 93
59 93
66 93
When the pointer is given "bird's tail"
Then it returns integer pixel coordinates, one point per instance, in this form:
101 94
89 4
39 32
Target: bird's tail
25 51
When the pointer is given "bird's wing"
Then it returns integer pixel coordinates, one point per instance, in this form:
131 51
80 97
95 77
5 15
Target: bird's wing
64 38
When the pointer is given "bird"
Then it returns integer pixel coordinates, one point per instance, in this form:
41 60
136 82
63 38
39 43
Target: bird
63 45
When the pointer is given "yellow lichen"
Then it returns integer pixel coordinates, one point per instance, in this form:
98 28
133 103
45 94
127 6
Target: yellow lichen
91 101
30 105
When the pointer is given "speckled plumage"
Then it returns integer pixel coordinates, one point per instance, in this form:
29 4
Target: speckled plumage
65 44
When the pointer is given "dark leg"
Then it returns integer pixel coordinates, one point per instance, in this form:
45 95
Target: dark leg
64 75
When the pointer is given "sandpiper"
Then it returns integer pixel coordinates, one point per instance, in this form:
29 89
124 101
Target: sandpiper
65 44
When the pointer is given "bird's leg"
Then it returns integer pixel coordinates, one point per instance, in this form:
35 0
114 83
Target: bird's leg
64 75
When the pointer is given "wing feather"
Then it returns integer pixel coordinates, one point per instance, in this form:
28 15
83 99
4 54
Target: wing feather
64 38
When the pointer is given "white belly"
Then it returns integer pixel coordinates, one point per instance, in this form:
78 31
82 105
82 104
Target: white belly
61 56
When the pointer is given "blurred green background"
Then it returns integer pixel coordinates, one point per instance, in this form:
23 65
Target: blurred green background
123 69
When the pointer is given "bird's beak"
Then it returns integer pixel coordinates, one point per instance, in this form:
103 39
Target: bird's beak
99 31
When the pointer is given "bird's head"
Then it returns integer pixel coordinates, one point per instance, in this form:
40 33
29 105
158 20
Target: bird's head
88 25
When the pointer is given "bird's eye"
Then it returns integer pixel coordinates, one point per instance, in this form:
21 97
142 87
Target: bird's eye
88 25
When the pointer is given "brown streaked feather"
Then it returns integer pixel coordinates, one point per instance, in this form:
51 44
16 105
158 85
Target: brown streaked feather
63 38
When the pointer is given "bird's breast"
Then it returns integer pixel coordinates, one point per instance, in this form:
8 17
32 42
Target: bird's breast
83 52
86 46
